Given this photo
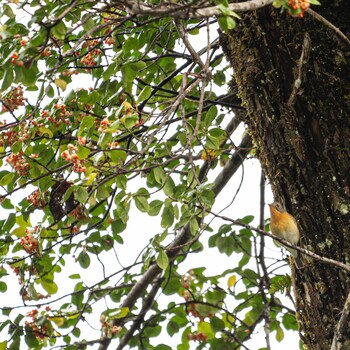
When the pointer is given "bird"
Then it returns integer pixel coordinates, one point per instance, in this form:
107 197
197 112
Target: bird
283 225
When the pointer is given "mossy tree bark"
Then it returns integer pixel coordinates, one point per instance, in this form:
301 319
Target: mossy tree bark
293 77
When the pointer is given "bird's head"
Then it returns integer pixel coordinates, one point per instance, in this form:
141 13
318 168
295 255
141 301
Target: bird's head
278 206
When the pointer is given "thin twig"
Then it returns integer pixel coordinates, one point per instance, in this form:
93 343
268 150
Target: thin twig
196 58
301 69
328 24
287 244
342 329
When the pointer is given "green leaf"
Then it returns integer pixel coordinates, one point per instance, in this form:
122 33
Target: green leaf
84 259
49 285
247 219
169 187
31 340
155 207
289 322
59 30
121 182
205 327
153 331
81 194
225 245
3 345
167 217
47 131
7 10
6 204
210 115
145 93
83 152
162 260
10 221
279 334
159 175
27 77
277 3
162 347
6 179
86 123
280 283
117 313
207 197
217 324
102 193
130 121
194 227
118 226
8 79
141 204
88 24
231 23
212 143
118 156
111 70
3 287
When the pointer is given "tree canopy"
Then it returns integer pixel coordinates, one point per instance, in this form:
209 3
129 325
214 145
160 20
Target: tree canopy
114 105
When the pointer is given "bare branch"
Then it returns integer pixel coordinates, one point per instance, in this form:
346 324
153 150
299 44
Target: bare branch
179 11
328 24
194 54
287 244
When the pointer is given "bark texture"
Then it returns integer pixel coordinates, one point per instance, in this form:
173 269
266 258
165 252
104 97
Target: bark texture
293 77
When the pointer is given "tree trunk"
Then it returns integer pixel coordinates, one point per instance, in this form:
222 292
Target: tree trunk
293 77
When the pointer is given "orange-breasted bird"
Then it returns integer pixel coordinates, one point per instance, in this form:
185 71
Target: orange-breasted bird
284 225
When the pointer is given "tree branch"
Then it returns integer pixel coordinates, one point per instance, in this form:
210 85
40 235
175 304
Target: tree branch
179 11
287 244
340 339
328 24
184 236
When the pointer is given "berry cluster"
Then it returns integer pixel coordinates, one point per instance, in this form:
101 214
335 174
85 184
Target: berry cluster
75 230
61 115
78 213
298 7
187 282
29 243
13 99
109 41
197 336
69 72
108 328
71 156
37 198
82 140
20 271
10 136
15 61
105 123
19 162
89 60
39 329
46 52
